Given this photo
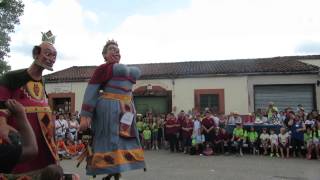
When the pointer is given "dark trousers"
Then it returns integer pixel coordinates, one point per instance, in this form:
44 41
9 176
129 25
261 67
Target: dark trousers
173 141
296 145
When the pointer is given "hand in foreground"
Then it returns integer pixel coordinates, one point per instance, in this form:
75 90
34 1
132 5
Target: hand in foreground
5 129
16 108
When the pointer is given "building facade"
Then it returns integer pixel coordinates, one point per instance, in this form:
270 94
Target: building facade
224 86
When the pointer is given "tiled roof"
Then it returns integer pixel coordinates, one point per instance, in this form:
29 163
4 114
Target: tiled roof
276 65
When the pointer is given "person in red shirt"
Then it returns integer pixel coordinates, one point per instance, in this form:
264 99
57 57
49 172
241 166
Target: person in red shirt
187 129
221 139
181 120
172 132
208 128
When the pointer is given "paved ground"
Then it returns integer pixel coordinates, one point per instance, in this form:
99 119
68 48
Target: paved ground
163 165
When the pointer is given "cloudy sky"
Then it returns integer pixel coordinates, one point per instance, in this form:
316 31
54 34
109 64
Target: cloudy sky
150 31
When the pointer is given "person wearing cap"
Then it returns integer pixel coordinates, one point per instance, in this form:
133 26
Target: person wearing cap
271 110
26 86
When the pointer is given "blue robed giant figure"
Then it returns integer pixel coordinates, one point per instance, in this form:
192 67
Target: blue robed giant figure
109 109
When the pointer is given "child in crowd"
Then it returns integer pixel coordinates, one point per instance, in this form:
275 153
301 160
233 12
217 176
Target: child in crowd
155 128
139 125
252 137
264 139
274 143
147 137
311 138
238 137
284 142
196 136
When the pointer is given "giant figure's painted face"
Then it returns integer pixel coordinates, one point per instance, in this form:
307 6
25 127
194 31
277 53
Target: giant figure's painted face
113 54
47 56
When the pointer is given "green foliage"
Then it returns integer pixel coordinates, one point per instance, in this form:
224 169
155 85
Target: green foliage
10 11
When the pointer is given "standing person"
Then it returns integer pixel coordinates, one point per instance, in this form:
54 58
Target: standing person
147 133
73 128
187 128
111 114
208 128
26 86
172 132
196 134
181 120
155 131
61 126
297 135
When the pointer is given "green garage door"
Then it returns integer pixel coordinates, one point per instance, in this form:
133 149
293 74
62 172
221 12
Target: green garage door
154 104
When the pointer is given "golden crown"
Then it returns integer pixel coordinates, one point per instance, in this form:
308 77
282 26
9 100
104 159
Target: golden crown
48 37
111 42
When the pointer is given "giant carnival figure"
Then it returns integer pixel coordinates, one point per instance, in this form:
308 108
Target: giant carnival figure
109 110
26 87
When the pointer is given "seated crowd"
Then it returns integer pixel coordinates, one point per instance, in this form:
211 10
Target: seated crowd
67 135
289 133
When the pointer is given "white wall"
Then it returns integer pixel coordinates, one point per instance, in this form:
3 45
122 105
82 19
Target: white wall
315 62
281 79
75 87
238 90
235 91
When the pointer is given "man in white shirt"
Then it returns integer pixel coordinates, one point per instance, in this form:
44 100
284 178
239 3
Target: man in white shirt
61 127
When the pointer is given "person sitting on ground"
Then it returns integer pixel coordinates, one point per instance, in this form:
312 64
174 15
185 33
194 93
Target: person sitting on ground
284 142
238 137
274 143
264 139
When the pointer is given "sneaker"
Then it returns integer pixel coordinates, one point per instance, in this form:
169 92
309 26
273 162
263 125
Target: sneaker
277 155
271 154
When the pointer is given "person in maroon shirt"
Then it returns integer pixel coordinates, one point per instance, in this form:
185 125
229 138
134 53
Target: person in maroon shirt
181 120
172 132
187 129
221 139
208 128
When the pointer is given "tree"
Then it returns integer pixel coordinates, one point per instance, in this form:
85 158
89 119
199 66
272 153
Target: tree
10 11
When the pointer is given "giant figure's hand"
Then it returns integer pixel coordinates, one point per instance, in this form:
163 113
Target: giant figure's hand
85 123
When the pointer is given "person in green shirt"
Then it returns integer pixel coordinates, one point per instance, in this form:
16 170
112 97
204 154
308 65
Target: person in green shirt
147 138
155 127
238 137
252 137
140 127
309 138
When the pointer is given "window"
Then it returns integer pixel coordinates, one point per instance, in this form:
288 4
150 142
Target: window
212 98
209 100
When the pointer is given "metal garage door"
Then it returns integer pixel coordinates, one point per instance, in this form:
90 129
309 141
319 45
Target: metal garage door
284 96
154 104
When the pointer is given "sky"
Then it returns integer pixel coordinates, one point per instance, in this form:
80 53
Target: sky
155 31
